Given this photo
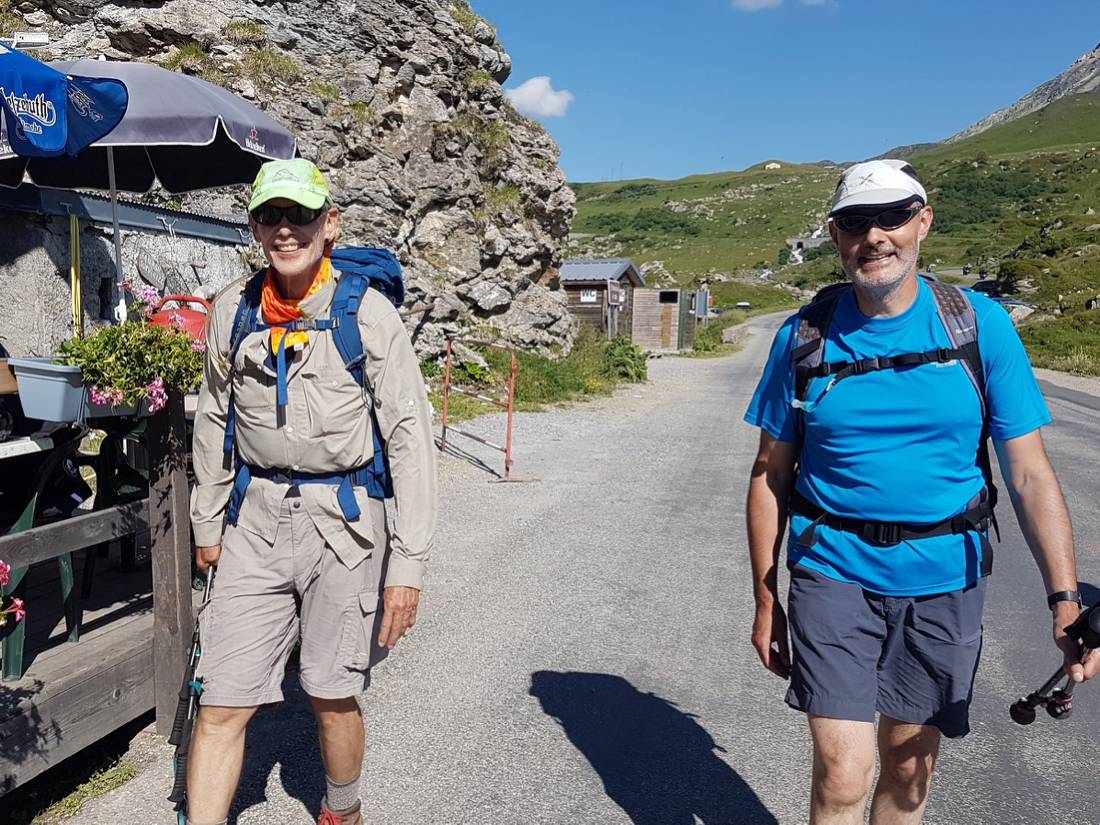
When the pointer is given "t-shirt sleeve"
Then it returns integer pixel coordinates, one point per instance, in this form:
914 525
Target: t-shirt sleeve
770 408
1016 404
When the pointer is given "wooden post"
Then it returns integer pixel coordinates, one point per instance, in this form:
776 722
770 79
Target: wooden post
169 530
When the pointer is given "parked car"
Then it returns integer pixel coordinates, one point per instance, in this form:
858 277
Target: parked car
743 305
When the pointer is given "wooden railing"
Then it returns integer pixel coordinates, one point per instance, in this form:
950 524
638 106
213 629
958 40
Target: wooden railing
165 515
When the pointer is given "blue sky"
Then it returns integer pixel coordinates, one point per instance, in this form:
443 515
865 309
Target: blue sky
667 88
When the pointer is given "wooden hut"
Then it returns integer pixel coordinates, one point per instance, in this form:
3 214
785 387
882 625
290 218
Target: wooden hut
601 292
664 319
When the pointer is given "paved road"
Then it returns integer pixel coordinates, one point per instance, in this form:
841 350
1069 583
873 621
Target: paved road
583 655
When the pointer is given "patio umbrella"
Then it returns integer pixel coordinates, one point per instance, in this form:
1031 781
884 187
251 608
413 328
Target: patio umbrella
180 130
48 113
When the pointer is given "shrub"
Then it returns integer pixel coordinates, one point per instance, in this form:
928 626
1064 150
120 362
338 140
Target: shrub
826 250
190 58
244 33
269 66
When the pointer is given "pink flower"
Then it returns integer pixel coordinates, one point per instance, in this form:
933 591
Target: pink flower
156 394
198 346
5 574
17 605
176 319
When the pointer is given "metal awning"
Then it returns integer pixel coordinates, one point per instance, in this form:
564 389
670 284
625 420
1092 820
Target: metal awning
97 209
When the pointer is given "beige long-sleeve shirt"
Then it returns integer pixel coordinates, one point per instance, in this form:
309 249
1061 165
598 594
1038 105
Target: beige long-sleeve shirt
325 428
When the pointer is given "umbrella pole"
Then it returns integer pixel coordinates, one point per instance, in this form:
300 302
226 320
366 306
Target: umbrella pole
74 276
106 311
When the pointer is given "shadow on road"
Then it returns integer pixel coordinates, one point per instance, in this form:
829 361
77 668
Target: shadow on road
656 761
284 735
457 452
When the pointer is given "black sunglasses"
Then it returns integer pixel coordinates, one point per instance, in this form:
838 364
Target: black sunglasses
295 214
888 219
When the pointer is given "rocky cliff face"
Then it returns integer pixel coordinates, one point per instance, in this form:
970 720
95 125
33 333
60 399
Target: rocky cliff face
1082 76
400 102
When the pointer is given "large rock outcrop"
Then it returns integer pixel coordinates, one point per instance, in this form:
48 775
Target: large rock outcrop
400 101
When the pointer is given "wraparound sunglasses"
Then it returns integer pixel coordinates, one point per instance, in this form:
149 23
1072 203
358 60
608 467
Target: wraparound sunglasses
295 214
888 219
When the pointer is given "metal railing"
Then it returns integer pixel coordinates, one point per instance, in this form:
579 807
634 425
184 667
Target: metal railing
509 405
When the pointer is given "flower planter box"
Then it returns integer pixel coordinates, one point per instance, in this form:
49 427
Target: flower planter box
56 392
49 391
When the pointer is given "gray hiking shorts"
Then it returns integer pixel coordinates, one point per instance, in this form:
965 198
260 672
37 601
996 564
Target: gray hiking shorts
267 596
910 658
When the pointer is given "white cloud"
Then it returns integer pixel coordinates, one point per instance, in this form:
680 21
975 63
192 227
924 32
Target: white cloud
537 98
817 2
755 5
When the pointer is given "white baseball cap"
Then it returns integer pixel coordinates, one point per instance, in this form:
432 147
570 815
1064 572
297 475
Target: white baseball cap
877 183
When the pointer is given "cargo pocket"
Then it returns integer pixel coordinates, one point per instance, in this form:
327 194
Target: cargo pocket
358 650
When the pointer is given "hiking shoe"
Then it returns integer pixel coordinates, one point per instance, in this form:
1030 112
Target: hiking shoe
350 816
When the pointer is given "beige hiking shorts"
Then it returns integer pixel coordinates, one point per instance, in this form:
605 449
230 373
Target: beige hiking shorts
266 595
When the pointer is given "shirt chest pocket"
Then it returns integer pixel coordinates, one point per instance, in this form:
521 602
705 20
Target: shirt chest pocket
334 401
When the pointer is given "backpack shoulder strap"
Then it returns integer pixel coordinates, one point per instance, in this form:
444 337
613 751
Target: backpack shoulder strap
350 289
248 311
961 323
808 344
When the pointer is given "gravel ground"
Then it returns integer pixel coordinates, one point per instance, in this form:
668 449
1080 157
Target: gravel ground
583 651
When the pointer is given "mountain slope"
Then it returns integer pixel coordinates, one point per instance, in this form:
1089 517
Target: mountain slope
1082 76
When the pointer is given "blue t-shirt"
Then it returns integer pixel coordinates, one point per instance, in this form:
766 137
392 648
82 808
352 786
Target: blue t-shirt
897 445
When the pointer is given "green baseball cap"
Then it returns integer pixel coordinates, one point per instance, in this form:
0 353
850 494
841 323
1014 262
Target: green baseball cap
297 180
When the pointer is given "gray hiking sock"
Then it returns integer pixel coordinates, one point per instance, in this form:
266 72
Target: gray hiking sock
341 797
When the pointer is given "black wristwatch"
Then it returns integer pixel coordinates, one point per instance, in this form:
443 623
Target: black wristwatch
1063 596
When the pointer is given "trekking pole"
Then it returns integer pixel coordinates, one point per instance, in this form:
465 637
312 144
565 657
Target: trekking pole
1059 701
186 709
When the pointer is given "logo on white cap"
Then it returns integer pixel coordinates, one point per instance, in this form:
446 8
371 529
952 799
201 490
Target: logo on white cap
877 182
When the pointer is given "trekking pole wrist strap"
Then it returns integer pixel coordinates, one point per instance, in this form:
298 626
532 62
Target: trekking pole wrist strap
1063 596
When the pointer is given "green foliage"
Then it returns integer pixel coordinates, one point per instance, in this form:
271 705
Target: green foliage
470 372
490 135
627 360
364 114
464 15
630 191
784 256
826 250
479 79
500 198
325 91
269 66
10 21
1014 270
967 195
1070 344
708 336
129 357
244 33
190 58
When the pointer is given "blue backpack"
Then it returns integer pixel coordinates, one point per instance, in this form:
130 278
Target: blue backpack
360 268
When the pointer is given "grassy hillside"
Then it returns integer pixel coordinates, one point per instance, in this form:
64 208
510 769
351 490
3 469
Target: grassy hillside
1021 199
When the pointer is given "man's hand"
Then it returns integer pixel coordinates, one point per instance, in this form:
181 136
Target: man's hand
1078 669
207 557
398 614
769 637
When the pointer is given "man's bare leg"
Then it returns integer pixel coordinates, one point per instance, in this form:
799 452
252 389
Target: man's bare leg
907 754
844 765
214 765
343 739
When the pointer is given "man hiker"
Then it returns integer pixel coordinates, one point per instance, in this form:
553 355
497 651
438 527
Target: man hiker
295 443
874 407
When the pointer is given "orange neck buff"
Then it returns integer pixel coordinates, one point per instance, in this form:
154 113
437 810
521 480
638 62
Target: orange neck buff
279 310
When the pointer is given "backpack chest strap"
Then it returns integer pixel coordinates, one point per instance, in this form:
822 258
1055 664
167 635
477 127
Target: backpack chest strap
842 369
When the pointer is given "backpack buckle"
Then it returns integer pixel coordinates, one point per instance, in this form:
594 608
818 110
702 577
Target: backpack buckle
881 532
865 365
943 355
